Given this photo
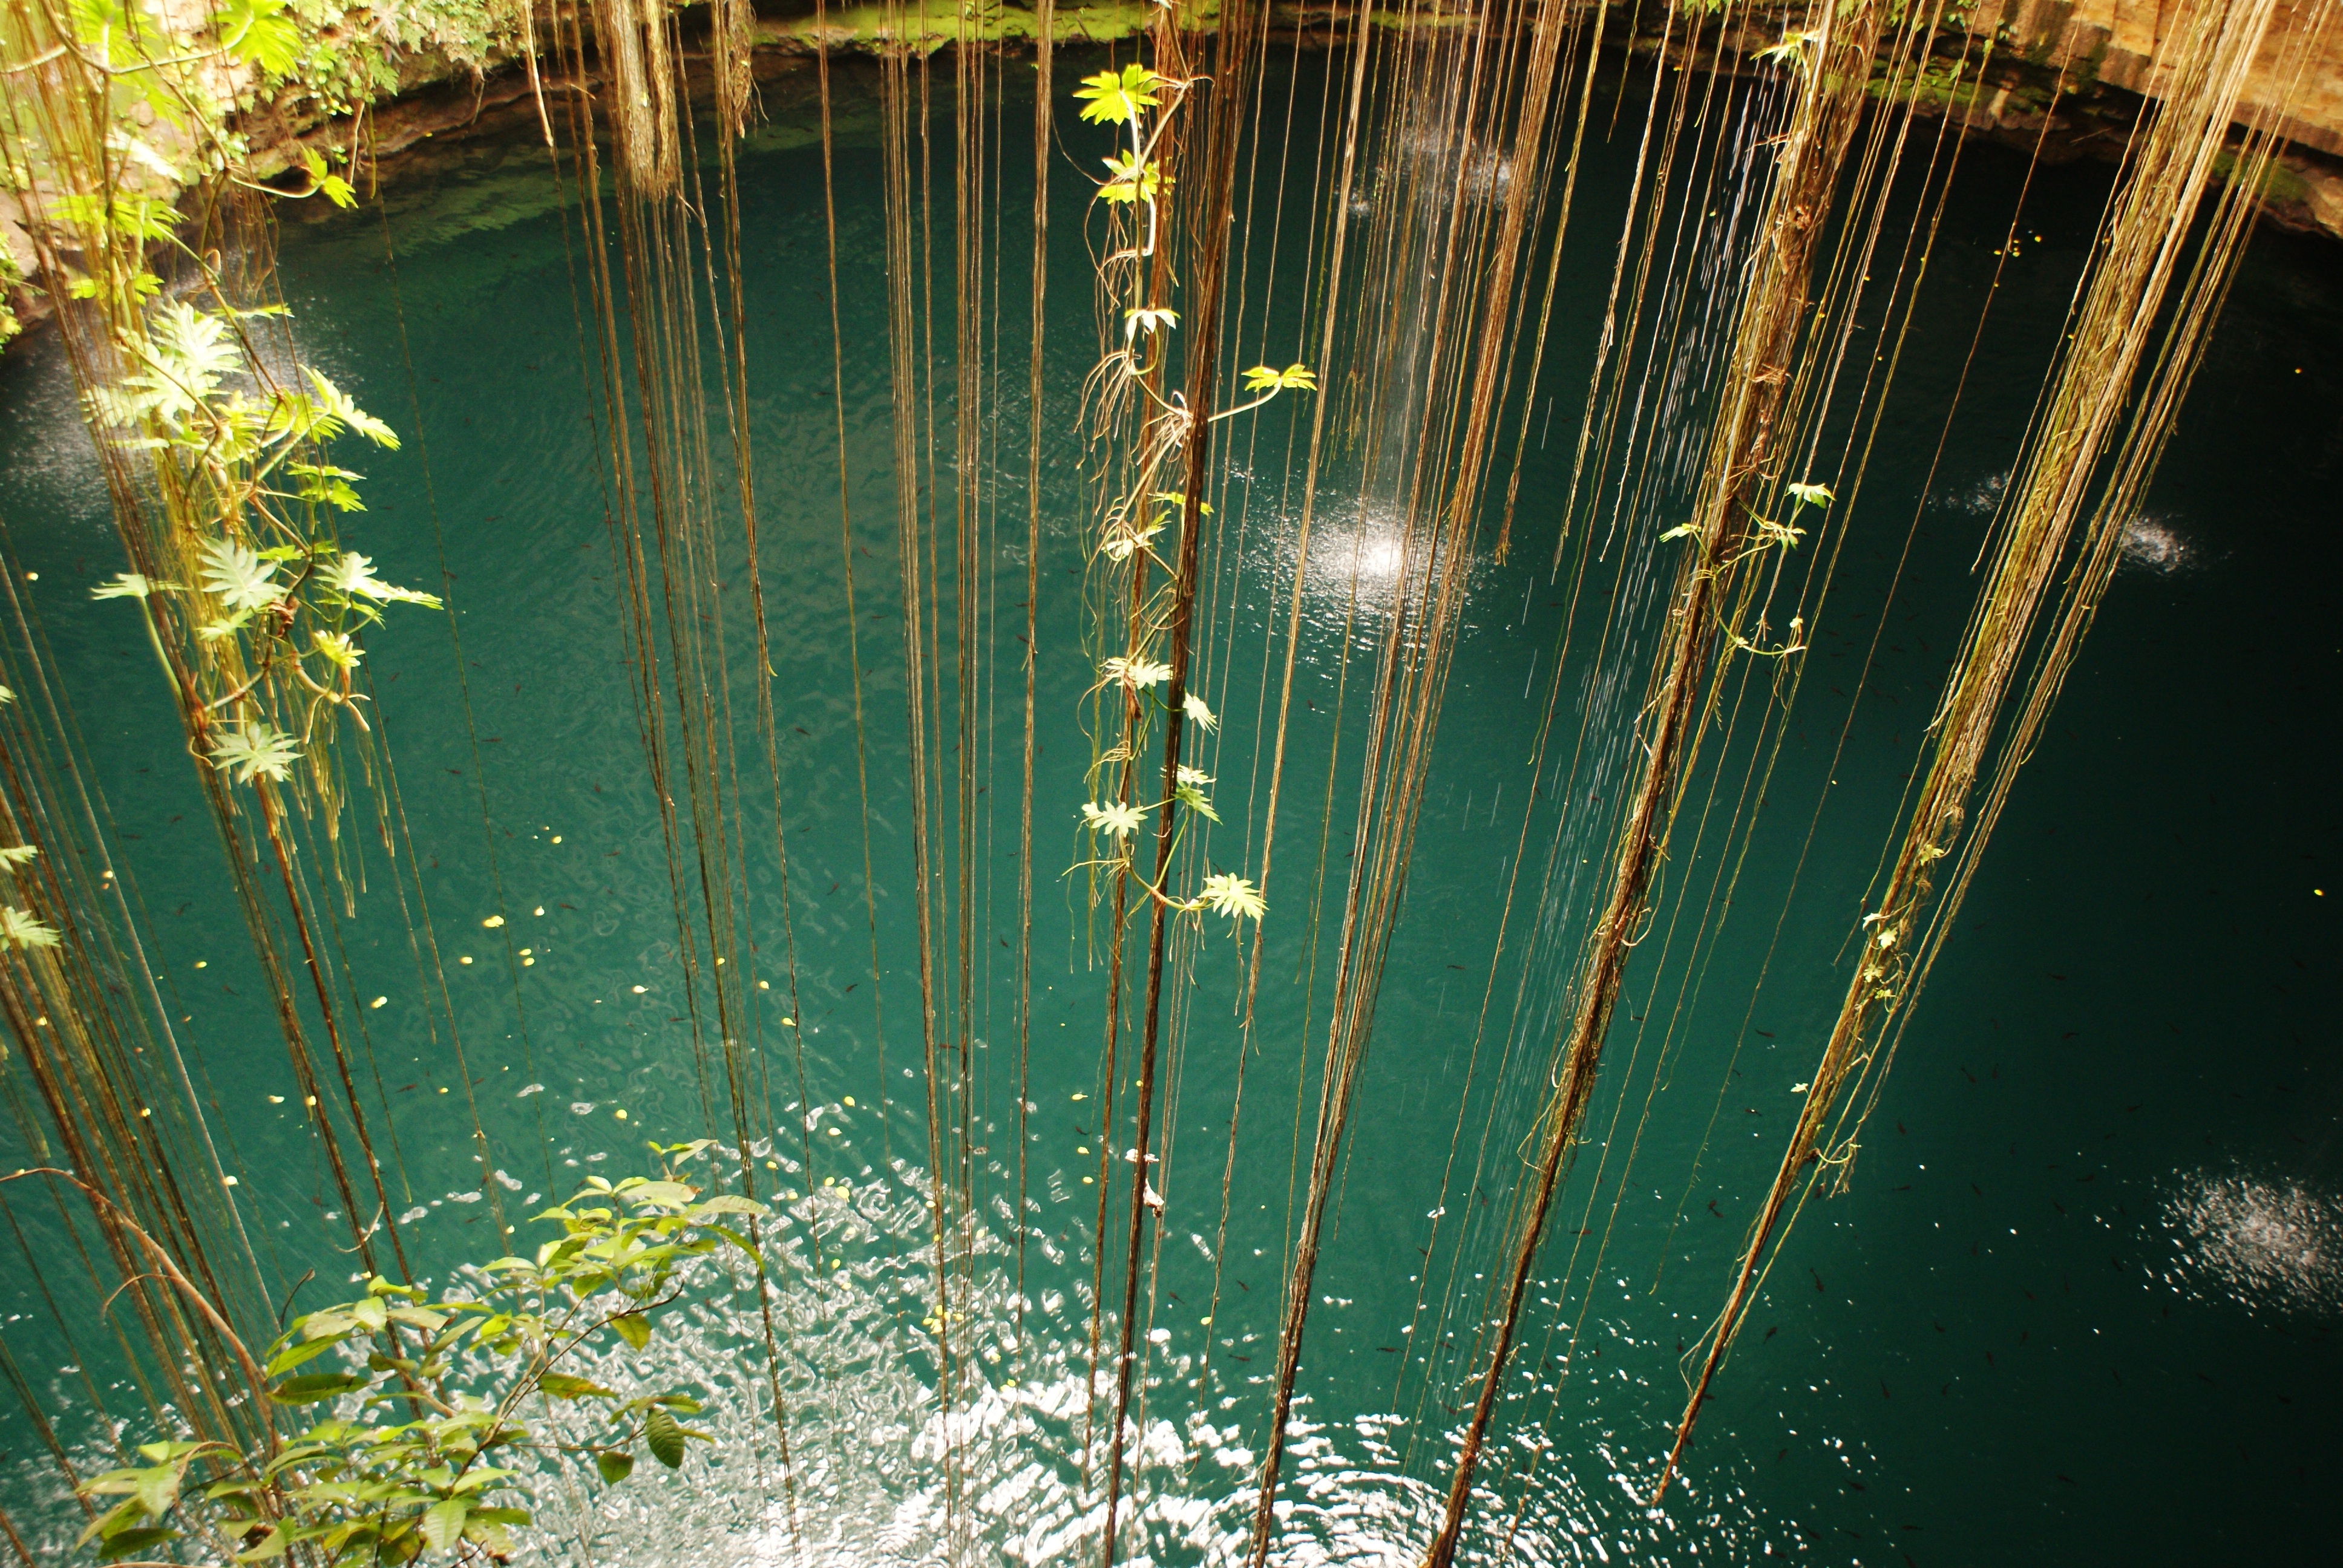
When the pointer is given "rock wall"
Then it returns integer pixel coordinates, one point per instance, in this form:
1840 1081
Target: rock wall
2065 71
2125 44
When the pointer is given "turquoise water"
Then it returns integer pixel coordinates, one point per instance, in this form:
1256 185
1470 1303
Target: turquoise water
2078 1304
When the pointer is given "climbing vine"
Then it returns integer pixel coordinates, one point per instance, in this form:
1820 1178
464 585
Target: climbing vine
1125 390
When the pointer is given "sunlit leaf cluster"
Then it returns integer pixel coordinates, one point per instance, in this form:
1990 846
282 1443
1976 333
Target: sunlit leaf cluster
428 1453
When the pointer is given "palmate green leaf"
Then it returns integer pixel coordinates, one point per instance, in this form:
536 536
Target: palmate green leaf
352 576
255 749
21 930
235 572
130 585
103 27
1140 319
259 32
134 216
326 486
1115 98
15 857
341 411
1811 495
663 1435
194 348
1235 897
1118 818
1131 179
187 354
1293 378
1134 672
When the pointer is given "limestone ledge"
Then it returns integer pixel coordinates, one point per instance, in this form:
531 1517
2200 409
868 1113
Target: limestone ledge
2082 65
2067 74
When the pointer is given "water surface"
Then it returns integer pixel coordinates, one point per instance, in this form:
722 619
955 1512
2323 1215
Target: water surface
2078 1305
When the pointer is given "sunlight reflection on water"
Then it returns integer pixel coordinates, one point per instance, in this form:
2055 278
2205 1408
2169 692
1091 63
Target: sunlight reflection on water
881 1475
2152 544
2271 1244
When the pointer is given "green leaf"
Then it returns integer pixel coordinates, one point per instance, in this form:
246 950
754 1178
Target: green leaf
1296 378
664 1437
633 1328
134 1543
20 929
114 1519
667 1194
339 409
258 33
730 1203
443 1524
1682 531
561 1385
272 1546
1226 893
738 1240
158 1488
311 1387
138 217
1130 179
254 750
129 585
1116 98
615 1465
237 575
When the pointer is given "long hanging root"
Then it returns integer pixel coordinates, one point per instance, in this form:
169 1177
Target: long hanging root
1743 447
2138 256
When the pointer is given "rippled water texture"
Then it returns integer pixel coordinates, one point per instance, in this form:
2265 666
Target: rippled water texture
2079 1306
